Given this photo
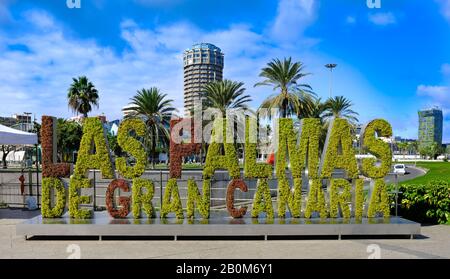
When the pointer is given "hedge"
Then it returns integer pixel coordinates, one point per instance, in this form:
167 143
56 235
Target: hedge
262 202
232 186
171 200
194 197
340 199
379 200
214 159
289 198
298 154
378 148
339 135
143 201
316 199
252 169
133 147
124 202
178 150
49 183
48 143
93 132
77 183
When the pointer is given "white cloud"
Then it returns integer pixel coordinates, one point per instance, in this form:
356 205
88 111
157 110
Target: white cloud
5 15
445 8
293 17
445 69
350 20
440 95
382 19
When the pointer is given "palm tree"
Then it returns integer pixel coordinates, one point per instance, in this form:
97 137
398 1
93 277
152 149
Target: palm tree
284 76
340 107
155 110
82 96
225 95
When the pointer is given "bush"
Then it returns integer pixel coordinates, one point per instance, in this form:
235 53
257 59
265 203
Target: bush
426 203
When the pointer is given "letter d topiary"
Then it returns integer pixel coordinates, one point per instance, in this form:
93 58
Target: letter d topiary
47 184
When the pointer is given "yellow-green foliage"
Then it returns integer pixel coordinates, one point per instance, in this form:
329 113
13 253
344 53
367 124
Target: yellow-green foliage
214 159
171 200
289 198
316 199
47 184
262 202
379 200
252 169
194 197
305 154
339 136
76 184
132 146
340 199
359 198
93 133
143 201
378 148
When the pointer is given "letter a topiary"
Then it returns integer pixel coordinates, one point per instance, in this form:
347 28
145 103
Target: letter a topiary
316 200
93 136
47 184
252 169
133 146
262 202
304 155
379 200
141 200
214 160
377 147
290 198
194 197
172 205
340 199
339 137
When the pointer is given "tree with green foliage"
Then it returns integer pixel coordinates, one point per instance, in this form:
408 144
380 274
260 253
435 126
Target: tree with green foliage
340 107
225 95
82 96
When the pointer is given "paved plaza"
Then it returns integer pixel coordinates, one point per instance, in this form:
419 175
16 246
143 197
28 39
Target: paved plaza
433 243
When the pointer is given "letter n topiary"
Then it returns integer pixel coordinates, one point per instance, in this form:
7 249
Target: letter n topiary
379 200
143 200
49 183
262 202
377 147
340 199
133 146
171 200
194 197
214 159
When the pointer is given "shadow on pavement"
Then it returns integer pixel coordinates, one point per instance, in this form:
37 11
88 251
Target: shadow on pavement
18 213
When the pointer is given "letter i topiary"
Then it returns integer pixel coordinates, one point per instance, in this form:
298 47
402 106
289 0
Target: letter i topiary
377 147
133 146
77 183
214 160
316 200
339 135
359 198
379 200
194 196
262 202
172 205
141 201
289 198
340 199
47 184
252 169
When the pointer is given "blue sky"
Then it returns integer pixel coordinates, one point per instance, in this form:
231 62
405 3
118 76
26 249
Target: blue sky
392 61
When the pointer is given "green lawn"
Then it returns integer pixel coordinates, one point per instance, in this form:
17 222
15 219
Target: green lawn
436 171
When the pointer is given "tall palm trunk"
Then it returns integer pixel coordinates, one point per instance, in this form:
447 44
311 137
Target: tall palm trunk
153 149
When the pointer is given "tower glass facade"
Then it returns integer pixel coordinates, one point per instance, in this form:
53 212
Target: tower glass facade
430 126
203 63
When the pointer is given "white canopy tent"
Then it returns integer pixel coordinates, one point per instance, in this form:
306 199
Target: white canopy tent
10 136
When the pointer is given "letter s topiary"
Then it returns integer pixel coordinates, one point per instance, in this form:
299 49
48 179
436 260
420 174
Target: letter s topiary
377 147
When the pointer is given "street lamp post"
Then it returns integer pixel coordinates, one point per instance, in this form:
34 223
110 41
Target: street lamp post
331 67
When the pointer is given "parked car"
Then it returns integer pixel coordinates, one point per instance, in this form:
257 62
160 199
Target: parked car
400 169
